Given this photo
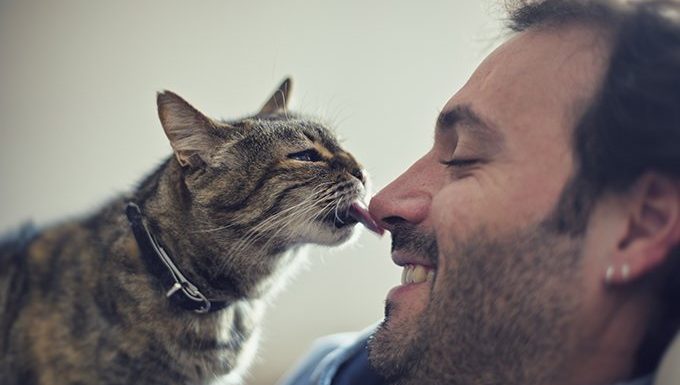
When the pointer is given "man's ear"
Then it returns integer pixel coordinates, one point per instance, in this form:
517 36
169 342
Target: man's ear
191 133
278 102
652 230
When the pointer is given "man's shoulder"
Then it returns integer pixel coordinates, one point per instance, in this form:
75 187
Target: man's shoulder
330 355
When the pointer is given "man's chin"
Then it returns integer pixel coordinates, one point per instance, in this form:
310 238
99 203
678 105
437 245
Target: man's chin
396 335
391 348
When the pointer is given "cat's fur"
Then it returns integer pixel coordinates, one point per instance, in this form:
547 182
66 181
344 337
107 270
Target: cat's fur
78 305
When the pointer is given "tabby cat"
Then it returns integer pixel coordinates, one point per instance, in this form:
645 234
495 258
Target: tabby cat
166 285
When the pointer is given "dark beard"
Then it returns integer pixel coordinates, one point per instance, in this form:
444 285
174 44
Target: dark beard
500 314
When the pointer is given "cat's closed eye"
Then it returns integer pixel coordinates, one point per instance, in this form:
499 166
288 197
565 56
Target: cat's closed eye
310 155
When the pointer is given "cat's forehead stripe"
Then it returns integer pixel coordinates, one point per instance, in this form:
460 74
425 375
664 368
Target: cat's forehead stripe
323 151
348 158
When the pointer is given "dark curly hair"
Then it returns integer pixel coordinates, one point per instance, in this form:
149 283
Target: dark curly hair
633 124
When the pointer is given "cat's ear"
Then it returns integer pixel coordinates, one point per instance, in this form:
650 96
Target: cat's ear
191 133
278 102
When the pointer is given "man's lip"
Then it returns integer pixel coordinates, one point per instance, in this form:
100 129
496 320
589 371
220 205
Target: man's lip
401 258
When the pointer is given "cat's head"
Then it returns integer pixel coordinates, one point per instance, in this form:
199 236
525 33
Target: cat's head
271 178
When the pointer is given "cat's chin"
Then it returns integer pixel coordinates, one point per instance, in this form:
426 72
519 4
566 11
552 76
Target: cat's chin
328 234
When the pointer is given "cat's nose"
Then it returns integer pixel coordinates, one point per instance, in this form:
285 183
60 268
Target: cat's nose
359 174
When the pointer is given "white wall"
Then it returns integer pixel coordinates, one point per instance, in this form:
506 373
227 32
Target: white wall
78 122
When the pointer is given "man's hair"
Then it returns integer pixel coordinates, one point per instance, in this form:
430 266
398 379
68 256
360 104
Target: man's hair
633 122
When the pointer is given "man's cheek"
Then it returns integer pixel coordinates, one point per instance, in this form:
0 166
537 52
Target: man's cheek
456 212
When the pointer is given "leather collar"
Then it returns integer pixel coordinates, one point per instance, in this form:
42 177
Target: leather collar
179 290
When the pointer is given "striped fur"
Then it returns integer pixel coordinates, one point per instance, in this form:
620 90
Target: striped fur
77 305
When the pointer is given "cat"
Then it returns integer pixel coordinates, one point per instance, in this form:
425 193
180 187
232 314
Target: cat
166 285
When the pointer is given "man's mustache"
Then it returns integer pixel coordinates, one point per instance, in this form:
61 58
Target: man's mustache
406 237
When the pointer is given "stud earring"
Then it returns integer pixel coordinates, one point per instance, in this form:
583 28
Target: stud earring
609 274
625 271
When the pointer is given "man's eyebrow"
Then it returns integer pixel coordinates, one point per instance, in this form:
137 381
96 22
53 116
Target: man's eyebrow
464 117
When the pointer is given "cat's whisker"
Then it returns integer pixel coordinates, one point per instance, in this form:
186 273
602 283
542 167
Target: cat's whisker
234 224
318 189
289 223
337 206
323 212
273 220
276 221
339 202
213 229
276 216
279 223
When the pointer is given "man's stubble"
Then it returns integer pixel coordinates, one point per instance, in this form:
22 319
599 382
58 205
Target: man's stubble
501 313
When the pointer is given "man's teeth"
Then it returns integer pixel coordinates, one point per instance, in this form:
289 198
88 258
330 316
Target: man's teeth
416 274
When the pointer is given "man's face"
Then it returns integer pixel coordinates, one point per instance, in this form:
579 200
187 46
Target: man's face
494 293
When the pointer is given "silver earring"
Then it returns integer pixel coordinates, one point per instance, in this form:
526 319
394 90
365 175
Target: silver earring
609 275
625 271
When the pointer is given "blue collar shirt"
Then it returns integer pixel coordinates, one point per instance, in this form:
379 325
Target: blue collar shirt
342 359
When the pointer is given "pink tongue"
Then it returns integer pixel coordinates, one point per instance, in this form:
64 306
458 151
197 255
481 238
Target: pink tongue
359 212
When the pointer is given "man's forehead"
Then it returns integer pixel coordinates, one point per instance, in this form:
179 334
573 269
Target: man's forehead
540 76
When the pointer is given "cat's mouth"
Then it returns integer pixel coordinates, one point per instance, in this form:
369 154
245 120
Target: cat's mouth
353 214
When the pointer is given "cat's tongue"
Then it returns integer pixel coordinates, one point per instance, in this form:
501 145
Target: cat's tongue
359 212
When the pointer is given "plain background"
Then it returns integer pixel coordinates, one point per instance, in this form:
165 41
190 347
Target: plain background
78 117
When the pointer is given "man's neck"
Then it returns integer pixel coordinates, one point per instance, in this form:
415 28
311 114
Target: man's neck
610 341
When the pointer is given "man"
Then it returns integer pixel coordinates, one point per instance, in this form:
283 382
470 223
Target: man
540 235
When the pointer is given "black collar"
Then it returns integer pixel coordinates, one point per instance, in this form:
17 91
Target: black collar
182 292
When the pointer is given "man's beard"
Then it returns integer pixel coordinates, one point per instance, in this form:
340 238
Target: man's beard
500 314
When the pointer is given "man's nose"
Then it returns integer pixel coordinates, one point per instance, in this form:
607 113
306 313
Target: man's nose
406 199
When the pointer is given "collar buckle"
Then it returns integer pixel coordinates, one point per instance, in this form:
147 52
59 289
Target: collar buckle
190 291
192 298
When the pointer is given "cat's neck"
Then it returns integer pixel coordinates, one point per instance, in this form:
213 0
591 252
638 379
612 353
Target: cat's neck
208 259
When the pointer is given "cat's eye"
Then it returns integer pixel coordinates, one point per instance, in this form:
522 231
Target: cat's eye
310 155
